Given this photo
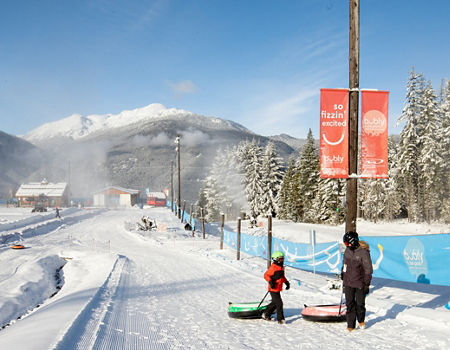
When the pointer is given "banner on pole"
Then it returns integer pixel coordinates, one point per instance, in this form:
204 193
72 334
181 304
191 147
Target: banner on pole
374 134
333 142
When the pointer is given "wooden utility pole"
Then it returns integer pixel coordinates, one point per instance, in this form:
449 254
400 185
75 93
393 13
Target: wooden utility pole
171 185
352 182
179 176
184 207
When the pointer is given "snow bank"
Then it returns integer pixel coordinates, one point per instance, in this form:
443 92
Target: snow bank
33 283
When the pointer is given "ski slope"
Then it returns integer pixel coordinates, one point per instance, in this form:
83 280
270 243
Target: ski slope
119 289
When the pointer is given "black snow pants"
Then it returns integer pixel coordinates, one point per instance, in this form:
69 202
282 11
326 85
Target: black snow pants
356 305
277 303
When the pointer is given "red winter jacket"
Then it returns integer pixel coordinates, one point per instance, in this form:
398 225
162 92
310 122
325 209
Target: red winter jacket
277 272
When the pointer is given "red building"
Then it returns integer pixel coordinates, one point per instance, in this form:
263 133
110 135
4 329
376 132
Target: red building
157 199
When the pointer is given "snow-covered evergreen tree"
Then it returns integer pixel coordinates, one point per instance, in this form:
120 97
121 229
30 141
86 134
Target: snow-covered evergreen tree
430 161
328 202
410 144
213 199
307 178
272 175
285 198
233 180
254 187
373 201
444 137
393 195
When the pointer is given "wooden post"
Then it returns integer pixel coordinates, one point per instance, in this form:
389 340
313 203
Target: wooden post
238 249
190 215
269 240
176 207
222 224
203 223
352 183
179 176
184 207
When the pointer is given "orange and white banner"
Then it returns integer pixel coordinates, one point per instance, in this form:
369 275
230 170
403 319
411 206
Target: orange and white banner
333 142
374 134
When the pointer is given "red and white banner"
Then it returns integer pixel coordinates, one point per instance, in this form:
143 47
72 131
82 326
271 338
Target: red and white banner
333 141
374 134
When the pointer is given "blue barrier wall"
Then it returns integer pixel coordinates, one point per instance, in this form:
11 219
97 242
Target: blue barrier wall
421 259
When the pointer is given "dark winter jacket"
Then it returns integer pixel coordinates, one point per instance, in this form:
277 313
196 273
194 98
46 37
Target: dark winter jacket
357 267
276 274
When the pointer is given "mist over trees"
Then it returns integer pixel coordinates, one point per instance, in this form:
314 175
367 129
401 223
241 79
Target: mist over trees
251 179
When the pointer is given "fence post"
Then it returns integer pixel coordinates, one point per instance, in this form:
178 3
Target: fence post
203 222
238 251
184 207
312 235
190 214
176 208
269 240
222 224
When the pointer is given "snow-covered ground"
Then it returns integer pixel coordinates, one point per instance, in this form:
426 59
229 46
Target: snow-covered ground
117 289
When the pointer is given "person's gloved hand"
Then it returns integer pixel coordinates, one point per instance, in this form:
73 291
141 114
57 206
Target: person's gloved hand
366 289
272 283
288 285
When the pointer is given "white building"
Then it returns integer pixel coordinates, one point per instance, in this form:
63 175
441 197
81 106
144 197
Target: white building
114 196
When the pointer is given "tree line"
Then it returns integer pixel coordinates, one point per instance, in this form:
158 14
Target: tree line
253 179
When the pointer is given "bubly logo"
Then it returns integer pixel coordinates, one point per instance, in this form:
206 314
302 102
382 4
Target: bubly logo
414 256
374 123
333 159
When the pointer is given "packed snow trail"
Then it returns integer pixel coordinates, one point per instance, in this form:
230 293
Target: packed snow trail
172 295
166 290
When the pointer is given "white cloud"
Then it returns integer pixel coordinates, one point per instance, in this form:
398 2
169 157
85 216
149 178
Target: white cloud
183 87
192 137
293 109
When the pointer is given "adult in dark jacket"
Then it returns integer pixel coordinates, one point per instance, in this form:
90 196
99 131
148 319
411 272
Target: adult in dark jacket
275 276
356 274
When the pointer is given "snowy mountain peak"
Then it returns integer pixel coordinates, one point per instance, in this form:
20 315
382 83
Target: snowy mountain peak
77 126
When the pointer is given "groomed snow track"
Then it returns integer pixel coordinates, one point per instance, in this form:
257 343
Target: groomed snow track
112 320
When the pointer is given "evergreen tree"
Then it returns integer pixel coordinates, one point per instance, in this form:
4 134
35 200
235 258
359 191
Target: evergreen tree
430 159
444 137
285 204
329 204
201 202
307 178
213 199
393 195
254 187
409 147
272 172
374 198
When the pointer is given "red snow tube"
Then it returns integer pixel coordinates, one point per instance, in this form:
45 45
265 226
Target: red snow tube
325 313
17 246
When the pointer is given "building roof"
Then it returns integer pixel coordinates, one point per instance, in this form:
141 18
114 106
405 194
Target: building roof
35 189
126 190
159 195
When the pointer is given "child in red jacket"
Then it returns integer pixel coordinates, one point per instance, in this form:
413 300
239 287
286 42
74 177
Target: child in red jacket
275 276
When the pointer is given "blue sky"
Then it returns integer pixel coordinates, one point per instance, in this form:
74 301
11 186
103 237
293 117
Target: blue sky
260 63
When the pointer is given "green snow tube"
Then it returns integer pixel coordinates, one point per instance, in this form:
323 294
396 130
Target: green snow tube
246 310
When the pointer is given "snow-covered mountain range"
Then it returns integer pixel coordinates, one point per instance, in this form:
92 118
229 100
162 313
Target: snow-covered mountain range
135 149
77 126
